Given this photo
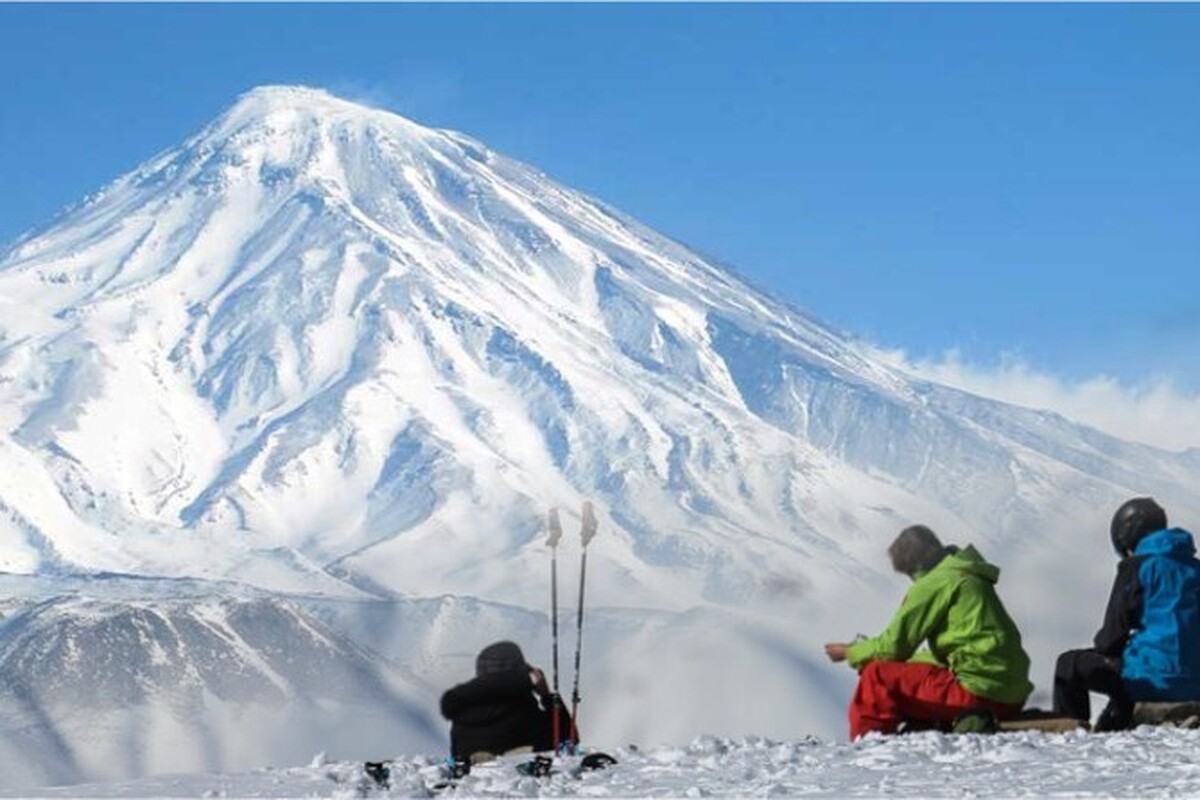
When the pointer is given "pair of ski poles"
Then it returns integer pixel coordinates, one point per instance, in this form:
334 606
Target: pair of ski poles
586 533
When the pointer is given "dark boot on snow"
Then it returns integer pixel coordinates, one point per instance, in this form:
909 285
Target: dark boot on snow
379 772
1116 716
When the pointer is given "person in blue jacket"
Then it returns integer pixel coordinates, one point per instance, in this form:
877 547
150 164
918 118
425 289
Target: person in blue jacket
1149 645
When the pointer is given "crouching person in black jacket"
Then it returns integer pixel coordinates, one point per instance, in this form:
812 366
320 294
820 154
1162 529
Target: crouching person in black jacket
506 706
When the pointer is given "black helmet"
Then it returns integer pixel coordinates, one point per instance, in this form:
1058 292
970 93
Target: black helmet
1133 520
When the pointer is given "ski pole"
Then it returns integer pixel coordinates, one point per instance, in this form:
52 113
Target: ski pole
586 532
552 540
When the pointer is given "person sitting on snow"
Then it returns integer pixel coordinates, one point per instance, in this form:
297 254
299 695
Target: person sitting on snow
1149 645
507 706
975 661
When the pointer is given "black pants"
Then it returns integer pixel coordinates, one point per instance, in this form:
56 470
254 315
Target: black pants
1080 671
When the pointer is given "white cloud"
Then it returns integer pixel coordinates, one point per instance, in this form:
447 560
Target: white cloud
1156 413
422 95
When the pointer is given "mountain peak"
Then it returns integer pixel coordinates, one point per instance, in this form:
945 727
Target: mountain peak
263 101
296 108
285 94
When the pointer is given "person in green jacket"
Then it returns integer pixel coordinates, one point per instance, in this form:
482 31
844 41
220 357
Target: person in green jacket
974 661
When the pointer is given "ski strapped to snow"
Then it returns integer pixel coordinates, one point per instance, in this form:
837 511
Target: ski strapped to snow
545 766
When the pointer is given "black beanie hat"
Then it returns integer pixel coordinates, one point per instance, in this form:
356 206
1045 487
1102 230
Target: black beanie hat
499 657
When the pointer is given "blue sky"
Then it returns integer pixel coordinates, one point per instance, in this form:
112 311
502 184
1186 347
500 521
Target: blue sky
1019 184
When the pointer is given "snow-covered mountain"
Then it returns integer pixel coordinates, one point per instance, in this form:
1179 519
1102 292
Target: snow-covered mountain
326 354
187 683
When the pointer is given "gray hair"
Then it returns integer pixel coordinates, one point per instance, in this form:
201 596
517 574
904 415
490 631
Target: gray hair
917 549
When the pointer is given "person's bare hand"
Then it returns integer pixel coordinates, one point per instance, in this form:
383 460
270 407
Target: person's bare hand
836 651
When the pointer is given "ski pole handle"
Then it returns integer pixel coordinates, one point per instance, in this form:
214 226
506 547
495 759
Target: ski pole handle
588 530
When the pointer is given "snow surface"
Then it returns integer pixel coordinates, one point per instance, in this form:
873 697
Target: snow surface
1148 762
328 363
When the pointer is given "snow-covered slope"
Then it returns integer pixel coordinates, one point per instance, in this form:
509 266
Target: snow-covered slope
327 353
1149 762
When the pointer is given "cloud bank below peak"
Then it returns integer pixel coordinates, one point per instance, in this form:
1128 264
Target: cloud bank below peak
1156 412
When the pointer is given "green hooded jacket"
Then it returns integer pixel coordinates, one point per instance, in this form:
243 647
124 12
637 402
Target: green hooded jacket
955 609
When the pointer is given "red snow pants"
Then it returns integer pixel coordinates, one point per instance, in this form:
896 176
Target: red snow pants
890 692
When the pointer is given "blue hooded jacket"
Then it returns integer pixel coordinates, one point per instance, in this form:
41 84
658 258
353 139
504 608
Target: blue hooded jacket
1161 660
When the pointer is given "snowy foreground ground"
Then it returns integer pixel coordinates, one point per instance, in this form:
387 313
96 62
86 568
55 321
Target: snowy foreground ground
1148 762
